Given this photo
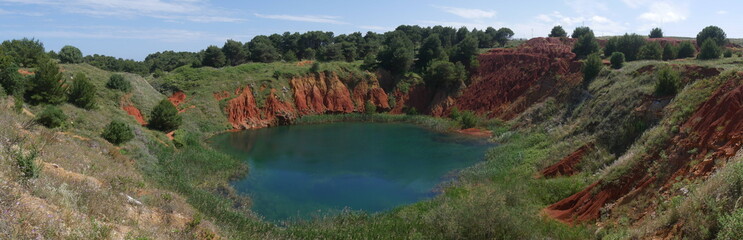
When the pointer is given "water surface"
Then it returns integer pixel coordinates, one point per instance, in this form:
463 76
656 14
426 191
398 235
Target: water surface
310 170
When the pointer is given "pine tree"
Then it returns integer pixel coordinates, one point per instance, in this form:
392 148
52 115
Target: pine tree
164 117
83 92
47 85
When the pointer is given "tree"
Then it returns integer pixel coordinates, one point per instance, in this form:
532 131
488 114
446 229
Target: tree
558 31
669 52
370 63
164 117
370 108
47 85
591 68
503 35
617 60
70 54
118 82
651 51
585 45
51 117
709 50
234 53
465 51
290 56
349 51
445 75
263 50
668 82
26 52
214 57
629 44
712 32
10 79
429 51
398 54
117 132
83 92
656 33
686 50
580 31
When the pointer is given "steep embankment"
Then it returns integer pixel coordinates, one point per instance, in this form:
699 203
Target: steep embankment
315 93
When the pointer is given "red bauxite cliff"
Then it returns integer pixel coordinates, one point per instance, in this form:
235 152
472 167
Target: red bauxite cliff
313 94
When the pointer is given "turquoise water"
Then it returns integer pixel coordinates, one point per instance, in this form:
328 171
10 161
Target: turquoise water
311 170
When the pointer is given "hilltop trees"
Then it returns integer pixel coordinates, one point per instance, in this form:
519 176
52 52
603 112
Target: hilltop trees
580 31
47 85
712 32
629 44
164 117
25 52
70 54
651 51
558 31
83 92
445 75
429 51
586 43
656 33
262 50
686 50
234 53
397 56
10 79
503 35
214 57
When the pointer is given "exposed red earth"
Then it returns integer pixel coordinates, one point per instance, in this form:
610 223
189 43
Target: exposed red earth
129 108
566 166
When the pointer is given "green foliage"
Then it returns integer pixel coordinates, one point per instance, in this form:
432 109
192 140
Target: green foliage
397 57
629 44
709 50
445 75
263 50
586 44
47 85
669 52
169 60
18 103
27 162
83 92
430 51
686 50
370 108
370 63
117 82
668 82
468 119
558 31
70 54
234 53
51 117
580 32
728 53
164 117
315 68
117 132
656 33
25 52
503 35
214 57
651 51
712 32
113 64
617 60
591 68
465 51
10 79
731 225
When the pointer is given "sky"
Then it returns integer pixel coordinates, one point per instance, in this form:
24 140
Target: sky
133 29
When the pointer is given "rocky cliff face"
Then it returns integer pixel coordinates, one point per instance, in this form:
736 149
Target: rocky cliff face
318 93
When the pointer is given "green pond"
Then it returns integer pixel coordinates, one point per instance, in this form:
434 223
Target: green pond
305 171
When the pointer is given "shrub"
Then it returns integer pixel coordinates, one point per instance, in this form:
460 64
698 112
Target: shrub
669 52
586 45
629 44
709 50
411 111
83 92
70 54
370 108
468 119
591 68
617 60
656 33
117 132
47 85
651 51
315 67
455 114
27 162
51 117
728 53
712 32
686 50
732 225
558 31
117 82
668 82
10 79
165 117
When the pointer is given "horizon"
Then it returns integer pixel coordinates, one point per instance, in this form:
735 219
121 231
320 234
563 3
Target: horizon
135 29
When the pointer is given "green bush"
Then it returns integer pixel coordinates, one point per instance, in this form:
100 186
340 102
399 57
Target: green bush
315 67
712 32
370 108
651 51
70 54
27 162
411 111
728 53
118 82
51 117
591 68
686 50
117 132
656 33
10 79
669 52
732 225
668 82
468 119
455 114
617 60
165 117
47 85
83 92
586 45
709 50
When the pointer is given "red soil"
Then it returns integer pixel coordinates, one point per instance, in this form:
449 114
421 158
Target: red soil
221 95
177 98
714 131
25 72
320 93
566 166
476 132
511 80
128 106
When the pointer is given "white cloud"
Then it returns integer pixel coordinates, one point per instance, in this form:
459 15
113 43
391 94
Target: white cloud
173 10
469 13
587 7
722 12
303 18
666 12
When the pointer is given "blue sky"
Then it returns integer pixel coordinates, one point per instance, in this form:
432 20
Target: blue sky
135 28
